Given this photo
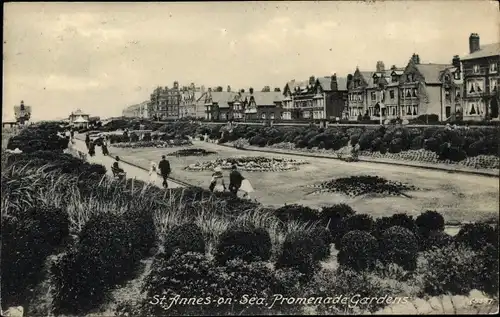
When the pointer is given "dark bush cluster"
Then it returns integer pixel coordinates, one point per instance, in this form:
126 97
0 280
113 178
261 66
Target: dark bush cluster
358 222
243 242
107 254
184 238
27 239
358 250
44 137
400 246
297 212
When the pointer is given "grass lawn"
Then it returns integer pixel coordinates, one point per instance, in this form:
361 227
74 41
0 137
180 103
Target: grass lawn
458 197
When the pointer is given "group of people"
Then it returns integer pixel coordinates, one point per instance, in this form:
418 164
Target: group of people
236 182
163 167
101 141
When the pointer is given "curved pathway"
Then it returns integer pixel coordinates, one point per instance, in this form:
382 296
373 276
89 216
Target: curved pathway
107 161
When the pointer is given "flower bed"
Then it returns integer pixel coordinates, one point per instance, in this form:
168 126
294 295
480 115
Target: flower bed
361 185
420 155
157 144
192 152
252 164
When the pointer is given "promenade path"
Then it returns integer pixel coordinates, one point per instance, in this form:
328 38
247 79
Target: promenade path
107 161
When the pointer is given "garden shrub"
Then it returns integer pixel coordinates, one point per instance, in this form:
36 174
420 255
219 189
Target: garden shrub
396 146
141 222
432 144
489 275
188 275
134 137
383 148
435 239
244 242
400 246
296 212
376 144
184 238
429 220
25 247
358 250
354 139
334 215
417 143
477 235
103 258
322 239
360 222
54 223
297 254
449 270
147 136
401 220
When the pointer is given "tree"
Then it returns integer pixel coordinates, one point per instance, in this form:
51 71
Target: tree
277 89
266 89
219 89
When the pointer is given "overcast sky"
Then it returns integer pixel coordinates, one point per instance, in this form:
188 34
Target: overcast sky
101 57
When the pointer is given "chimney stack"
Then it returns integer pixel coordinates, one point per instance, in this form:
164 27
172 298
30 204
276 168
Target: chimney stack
380 66
250 90
393 67
311 80
349 80
333 82
474 43
415 58
456 62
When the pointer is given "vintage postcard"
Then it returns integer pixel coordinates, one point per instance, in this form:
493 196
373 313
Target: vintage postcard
250 158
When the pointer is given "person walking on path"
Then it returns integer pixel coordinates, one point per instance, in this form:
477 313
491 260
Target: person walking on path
87 140
91 148
165 170
235 180
153 173
217 181
104 147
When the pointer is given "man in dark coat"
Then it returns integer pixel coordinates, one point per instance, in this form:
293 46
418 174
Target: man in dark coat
235 180
164 167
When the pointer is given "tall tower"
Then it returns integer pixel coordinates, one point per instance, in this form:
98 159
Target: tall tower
22 113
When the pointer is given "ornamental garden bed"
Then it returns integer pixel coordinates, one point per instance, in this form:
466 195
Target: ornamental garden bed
76 245
192 152
156 144
361 185
252 164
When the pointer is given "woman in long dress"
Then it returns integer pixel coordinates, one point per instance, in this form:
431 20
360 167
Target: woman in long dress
217 181
153 173
246 188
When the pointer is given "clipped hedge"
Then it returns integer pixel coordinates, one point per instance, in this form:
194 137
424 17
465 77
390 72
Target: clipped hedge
184 238
358 250
399 245
243 242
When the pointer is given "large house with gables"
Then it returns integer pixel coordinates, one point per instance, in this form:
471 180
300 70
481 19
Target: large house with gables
481 78
263 105
315 99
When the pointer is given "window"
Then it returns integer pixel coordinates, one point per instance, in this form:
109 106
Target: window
391 93
475 69
272 115
493 84
493 68
410 77
456 75
394 78
263 116
374 96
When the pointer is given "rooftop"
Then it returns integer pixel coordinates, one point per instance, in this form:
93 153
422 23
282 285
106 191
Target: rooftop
485 51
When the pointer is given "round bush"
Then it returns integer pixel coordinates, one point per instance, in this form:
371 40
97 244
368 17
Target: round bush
297 213
430 220
244 242
361 222
417 143
477 235
322 239
400 246
184 238
401 220
435 239
297 253
334 215
432 144
54 223
358 250
396 145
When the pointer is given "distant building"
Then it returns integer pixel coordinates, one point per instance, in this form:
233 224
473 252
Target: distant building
263 105
189 105
137 111
78 114
481 78
321 98
164 103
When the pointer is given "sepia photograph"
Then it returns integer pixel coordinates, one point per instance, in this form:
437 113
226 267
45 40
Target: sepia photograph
250 158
